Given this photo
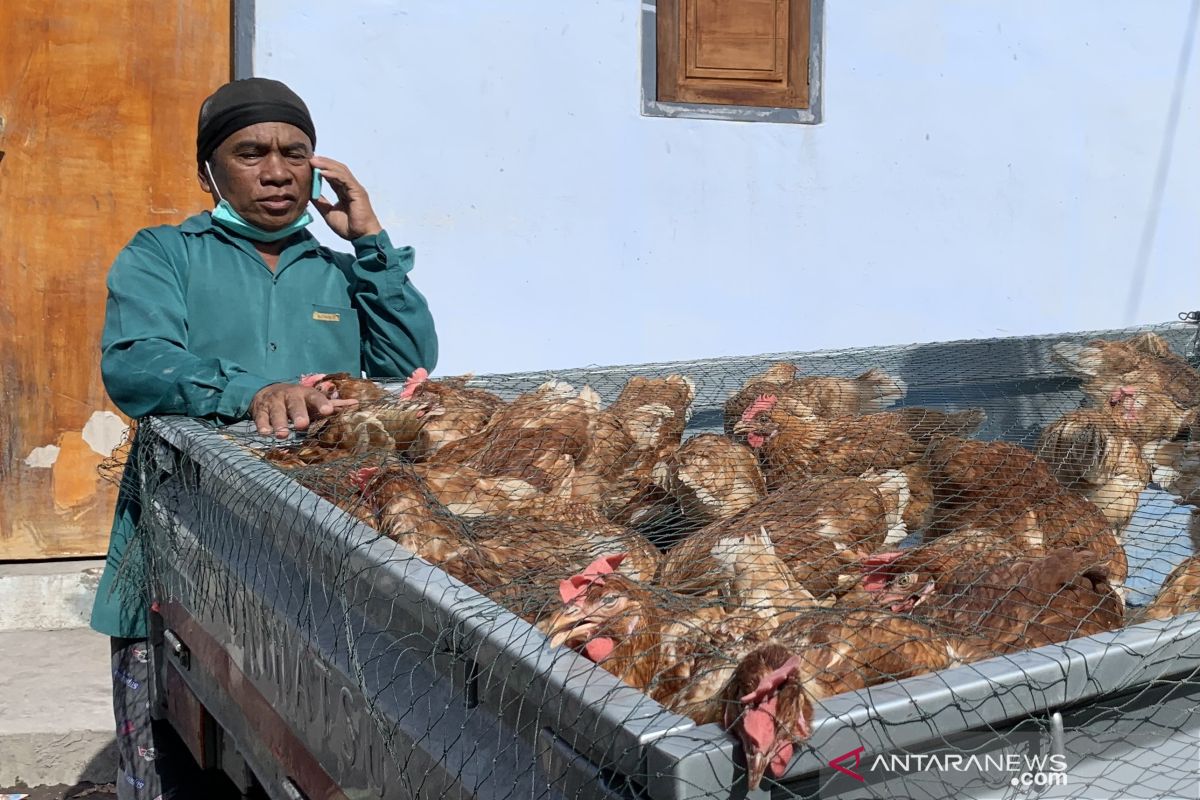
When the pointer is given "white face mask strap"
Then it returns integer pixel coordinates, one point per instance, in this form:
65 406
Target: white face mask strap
212 181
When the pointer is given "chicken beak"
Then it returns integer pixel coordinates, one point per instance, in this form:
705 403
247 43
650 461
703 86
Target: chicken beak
565 626
893 598
756 768
560 638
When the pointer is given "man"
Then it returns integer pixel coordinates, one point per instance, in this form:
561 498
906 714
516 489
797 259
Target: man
220 315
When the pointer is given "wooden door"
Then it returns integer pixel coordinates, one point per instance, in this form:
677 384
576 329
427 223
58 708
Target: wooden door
98 105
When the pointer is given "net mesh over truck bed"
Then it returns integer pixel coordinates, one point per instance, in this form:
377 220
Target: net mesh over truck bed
958 569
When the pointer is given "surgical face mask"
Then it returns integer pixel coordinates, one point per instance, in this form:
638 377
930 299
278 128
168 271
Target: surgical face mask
226 217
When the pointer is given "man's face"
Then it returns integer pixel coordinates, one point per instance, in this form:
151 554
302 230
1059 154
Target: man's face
263 171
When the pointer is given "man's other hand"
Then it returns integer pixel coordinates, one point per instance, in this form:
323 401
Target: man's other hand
280 403
352 215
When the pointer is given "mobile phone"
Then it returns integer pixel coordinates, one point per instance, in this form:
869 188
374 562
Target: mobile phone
316 183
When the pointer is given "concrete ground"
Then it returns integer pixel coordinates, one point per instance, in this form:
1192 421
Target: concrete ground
56 718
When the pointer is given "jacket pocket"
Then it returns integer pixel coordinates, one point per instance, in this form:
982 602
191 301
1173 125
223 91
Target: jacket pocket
333 339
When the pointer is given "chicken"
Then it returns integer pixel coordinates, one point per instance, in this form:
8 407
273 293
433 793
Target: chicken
340 386
654 412
602 473
792 443
1090 451
1015 604
339 484
820 396
713 477
768 700
1005 489
518 562
1154 389
624 471
508 512
820 528
758 581
672 646
1180 592
466 492
539 437
1175 467
390 425
641 634
379 424
983 548
407 512
459 411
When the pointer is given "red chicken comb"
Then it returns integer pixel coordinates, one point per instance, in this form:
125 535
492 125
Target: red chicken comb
764 402
419 376
311 379
361 477
576 585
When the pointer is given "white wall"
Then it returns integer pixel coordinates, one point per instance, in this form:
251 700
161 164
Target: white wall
983 169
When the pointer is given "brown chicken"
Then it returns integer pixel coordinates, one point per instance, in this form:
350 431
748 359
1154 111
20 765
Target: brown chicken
506 558
1180 592
1176 468
1006 490
768 700
983 548
792 443
758 580
820 396
1090 451
409 499
539 437
519 562
1152 387
457 411
676 647
820 529
624 470
713 477
654 412
378 425
1014 604
406 511
340 386
643 635
761 595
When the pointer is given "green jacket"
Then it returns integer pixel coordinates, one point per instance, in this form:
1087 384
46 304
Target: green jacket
196 324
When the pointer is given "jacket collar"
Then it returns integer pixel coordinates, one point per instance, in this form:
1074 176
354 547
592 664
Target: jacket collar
202 224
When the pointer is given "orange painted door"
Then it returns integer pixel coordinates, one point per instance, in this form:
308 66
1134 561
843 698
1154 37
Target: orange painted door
98 106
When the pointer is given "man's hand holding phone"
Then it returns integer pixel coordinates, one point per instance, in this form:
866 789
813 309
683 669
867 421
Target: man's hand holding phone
351 216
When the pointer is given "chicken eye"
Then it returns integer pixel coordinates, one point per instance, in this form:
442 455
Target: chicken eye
608 601
907 579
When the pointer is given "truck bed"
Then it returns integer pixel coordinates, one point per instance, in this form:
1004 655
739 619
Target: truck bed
337 664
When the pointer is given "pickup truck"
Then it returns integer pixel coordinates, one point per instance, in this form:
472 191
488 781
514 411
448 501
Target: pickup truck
301 652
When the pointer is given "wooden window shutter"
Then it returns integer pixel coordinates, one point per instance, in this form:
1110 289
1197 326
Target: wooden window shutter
734 52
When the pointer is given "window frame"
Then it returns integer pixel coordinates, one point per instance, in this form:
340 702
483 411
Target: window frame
653 107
